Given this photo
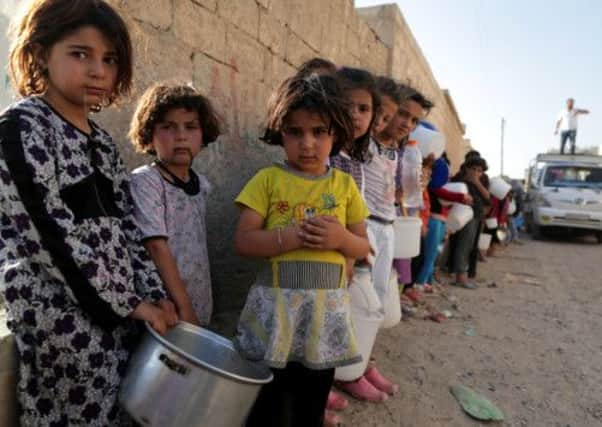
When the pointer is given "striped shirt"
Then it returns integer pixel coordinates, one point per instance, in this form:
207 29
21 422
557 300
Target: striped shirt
380 180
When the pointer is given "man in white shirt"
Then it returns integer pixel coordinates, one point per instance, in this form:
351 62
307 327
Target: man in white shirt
567 124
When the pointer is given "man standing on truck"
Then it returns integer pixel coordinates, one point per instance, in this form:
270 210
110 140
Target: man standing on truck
567 124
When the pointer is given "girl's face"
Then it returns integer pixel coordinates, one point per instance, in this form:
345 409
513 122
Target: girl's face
178 138
361 111
82 70
387 109
405 119
307 142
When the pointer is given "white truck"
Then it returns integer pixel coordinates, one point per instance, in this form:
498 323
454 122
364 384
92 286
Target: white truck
564 191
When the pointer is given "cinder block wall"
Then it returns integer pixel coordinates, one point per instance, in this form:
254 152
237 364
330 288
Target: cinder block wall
236 52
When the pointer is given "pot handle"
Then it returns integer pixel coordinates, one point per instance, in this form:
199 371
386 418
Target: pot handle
173 365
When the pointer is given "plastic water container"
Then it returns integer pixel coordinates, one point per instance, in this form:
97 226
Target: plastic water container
429 141
365 327
491 223
362 293
454 187
407 237
484 241
458 216
391 304
498 187
512 207
411 173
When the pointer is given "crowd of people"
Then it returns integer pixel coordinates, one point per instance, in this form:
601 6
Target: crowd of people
87 249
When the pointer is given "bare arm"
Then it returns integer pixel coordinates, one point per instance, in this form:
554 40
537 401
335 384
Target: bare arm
163 258
582 111
251 239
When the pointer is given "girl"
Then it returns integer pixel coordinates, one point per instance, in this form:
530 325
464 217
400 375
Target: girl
72 267
174 122
306 218
360 88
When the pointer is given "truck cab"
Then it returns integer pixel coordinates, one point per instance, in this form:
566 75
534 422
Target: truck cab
564 191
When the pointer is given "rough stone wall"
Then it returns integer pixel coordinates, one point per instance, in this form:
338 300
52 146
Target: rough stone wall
236 52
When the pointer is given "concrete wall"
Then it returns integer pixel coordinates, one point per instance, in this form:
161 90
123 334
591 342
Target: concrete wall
5 89
236 52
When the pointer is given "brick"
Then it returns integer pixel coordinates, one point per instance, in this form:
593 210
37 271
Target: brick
245 54
307 20
200 28
213 79
242 13
272 33
280 10
157 13
297 51
208 4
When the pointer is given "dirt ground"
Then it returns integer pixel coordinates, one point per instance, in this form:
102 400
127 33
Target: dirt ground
536 351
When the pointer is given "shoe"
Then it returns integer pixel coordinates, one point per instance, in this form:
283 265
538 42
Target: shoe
413 294
336 401
377 380
362 389
428 289
467 285
331 419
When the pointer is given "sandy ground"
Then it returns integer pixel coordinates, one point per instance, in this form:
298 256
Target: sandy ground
537 352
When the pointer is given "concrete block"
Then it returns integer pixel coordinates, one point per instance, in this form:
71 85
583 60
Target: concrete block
278 70
208 4
200 28
272 33
157 13
308 20
245 54
279 9
244 14
297 51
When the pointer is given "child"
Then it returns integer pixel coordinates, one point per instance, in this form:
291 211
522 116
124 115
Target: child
360 87
73 270
174 122
306 218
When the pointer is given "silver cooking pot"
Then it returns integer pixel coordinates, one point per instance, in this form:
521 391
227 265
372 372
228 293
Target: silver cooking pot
190 377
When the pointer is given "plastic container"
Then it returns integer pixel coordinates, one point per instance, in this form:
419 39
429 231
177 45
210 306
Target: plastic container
411 173
491 223
512 207
484 241
499 188
365 327
429 141
454 187
407 237
458 216
391 304
362 293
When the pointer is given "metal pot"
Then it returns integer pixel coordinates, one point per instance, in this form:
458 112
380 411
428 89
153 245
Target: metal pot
191 377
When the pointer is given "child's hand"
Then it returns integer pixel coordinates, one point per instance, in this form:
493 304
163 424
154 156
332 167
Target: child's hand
159 319
170 310
322 232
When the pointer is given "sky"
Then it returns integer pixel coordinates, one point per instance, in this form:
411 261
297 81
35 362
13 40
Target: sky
515 59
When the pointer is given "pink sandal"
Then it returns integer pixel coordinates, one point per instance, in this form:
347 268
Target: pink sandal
331 419
361 389
336 401
380 382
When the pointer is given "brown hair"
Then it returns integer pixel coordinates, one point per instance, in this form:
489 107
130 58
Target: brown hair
319 94
161 98
409 93
45 22
316 65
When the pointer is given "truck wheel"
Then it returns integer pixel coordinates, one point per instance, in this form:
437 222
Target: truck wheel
536 231
599 236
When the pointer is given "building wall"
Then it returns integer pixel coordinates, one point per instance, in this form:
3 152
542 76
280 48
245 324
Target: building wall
236 52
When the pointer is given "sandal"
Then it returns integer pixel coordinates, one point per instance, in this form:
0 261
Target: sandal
377 380
336 401
331 419
413 294
362 389
437 317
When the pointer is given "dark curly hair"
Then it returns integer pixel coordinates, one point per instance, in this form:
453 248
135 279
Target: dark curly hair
46 22
320 94
161 98
355 78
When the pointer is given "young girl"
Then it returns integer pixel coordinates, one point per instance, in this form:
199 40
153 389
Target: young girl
72 268
306 218
174 122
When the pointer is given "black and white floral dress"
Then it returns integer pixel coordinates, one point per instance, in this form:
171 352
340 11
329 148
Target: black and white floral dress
71 266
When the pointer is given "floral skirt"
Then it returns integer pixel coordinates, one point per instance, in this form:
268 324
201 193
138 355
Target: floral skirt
310 326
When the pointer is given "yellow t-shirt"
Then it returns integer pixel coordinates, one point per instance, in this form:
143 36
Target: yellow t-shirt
284 197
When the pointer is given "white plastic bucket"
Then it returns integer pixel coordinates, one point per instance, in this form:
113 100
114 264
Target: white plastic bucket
391 304
512 207
484 241
407 237
491 223
454 187
365 326
429 141
498 187
362 293
458 216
